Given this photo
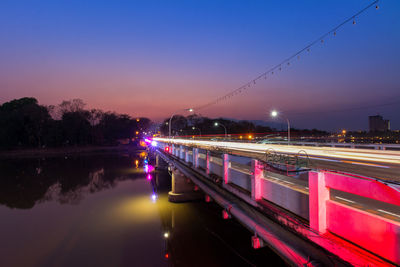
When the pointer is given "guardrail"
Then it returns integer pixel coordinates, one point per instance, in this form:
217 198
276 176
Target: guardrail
374 233
310 196
343 145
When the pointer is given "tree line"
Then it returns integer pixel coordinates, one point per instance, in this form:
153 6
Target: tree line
199 125
26 124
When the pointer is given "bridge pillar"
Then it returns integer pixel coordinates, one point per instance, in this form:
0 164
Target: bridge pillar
318 195
195 157
157 161
182 191
256 179
225 168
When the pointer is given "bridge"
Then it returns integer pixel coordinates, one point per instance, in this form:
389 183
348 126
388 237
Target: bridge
312 205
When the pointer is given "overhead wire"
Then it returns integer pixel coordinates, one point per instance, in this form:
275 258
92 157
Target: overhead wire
286 62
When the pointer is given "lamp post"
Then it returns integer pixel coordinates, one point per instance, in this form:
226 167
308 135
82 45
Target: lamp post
275 114
220 124
194 128
170 119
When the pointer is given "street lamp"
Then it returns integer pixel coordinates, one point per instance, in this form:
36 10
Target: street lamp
170 119
220 124
275 114
194 128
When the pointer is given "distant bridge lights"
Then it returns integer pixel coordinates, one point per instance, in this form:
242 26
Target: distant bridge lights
275 114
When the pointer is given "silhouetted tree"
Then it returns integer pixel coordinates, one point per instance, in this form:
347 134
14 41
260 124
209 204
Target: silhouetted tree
23 123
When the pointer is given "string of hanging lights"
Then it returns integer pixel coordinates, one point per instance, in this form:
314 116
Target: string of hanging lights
287 62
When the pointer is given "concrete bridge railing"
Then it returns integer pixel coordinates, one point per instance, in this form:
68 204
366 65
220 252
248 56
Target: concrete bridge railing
312 198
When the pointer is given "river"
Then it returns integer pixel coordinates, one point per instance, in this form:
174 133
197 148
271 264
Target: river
105 210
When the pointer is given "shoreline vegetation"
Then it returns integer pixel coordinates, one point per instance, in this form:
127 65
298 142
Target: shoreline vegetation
24 123
64 151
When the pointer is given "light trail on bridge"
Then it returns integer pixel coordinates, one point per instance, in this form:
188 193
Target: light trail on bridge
381 163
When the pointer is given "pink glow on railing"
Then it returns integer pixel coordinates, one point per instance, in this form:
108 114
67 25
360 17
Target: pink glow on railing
363 187
372 232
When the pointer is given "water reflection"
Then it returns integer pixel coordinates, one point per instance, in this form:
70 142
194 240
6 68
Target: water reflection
110 210
26 182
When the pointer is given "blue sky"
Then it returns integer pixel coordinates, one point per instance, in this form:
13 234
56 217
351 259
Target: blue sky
151 58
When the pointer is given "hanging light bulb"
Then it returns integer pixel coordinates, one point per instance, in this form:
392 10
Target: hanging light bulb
288 63
354 21
322 41
280 68
376 7
272 72
334 33
298 57
308 49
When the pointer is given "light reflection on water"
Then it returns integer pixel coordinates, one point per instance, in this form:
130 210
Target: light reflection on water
100 211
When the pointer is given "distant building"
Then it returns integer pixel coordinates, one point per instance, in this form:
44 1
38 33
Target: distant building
378 124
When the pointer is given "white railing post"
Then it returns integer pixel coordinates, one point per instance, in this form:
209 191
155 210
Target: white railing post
225 168
195 157
207 162
186 154
318 195
256 179
181 152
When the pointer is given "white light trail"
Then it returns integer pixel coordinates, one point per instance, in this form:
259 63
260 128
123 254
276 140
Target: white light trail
366 155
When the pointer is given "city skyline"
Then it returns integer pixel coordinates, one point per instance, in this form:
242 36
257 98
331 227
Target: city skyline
151 59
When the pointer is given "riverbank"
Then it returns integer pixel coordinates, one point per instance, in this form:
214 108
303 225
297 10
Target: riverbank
64 151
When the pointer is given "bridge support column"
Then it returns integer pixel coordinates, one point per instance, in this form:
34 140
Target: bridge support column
195 157
318 195
256 179
157 161
182 191
225 168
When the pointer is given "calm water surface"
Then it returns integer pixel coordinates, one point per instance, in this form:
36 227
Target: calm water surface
105 210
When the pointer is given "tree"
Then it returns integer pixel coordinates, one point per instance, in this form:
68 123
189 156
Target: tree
23 122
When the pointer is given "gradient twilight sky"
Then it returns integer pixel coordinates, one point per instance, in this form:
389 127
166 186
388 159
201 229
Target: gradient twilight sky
150 58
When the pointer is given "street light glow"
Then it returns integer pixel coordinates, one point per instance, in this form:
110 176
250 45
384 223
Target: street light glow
274 113
215 123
